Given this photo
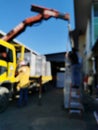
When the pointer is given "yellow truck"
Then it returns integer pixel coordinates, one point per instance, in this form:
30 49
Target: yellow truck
8 68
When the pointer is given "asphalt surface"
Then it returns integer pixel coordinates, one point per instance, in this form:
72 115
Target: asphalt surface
48 114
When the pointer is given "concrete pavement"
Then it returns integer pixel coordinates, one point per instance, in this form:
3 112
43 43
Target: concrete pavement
49 115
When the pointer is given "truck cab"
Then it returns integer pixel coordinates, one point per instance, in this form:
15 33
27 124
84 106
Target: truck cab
7 72
7 62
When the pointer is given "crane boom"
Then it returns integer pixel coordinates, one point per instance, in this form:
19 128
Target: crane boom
44 14
21 27
47 13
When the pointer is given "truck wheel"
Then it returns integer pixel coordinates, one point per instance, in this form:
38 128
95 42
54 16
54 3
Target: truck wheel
4 100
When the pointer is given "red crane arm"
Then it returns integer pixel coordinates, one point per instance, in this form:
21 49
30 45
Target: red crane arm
47 13
44 13
21 27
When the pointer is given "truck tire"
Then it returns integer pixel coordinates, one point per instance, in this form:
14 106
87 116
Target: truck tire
4 99
3 102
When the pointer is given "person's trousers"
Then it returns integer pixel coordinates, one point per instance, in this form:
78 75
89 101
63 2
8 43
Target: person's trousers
90 89
23 99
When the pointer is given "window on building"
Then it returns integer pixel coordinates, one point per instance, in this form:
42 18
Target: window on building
95 22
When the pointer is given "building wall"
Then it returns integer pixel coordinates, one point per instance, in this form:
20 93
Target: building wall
85 50
88 55
86 21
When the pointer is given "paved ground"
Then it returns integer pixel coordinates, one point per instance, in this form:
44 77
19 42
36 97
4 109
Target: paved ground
49 115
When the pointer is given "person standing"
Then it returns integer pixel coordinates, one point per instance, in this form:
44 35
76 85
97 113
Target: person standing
22 86
76 65
85 80
90 84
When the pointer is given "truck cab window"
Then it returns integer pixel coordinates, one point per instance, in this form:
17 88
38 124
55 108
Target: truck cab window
3 53
2 69
10 56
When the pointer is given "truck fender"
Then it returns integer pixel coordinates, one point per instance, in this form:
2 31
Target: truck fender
3 90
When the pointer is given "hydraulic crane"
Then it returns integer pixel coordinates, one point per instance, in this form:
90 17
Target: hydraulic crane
8 67
44 14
